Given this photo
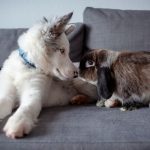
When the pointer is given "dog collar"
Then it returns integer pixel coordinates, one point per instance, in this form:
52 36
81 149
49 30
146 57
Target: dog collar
23 55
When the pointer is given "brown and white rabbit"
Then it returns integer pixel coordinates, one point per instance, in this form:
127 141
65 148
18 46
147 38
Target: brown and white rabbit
119 76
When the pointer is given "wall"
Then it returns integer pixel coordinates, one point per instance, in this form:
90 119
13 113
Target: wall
23 13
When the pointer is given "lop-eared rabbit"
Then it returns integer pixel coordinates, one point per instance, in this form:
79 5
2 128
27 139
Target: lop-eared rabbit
119 76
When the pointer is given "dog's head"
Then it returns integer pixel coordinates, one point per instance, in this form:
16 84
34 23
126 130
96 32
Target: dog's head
47 46
95 67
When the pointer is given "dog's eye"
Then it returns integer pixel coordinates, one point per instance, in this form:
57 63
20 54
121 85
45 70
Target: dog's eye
89 63
62 50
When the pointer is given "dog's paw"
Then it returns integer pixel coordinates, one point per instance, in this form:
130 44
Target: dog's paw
79 100
18 127
112 103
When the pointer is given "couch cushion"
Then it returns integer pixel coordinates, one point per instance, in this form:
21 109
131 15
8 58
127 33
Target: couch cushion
117 29
76 42
8 42
85 128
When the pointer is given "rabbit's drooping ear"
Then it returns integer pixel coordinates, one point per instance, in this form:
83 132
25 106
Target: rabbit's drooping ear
106 82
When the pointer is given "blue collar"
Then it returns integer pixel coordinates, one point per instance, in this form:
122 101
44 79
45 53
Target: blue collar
23 55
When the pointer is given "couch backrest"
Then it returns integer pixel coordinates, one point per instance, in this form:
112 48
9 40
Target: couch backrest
117 29
8 42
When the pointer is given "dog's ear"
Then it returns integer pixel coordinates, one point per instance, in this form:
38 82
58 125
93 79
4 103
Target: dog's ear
106 82
69 28
60 24
44 20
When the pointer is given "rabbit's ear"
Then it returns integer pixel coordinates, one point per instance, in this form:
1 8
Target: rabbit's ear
106 82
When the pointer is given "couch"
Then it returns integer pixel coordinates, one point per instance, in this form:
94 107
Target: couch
89 127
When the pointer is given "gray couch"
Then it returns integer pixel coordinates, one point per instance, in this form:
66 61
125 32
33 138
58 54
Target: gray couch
88 127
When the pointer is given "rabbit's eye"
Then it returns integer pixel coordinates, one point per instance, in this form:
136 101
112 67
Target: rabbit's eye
89 63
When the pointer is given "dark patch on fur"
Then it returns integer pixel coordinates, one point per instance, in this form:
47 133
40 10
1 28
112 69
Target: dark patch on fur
128 70
106 82
132 105
91 72
88 73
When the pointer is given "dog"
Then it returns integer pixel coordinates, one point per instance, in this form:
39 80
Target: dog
39 74
119 76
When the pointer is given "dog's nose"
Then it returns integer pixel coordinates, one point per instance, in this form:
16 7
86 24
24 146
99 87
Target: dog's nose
75 74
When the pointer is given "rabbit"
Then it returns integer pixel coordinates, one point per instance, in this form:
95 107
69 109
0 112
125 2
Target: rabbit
122 76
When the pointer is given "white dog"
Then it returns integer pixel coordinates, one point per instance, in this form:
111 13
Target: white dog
30 77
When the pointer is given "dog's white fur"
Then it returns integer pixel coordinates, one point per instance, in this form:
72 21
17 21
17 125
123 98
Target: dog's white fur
30 88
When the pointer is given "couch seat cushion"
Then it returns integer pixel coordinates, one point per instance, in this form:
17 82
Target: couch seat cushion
85 127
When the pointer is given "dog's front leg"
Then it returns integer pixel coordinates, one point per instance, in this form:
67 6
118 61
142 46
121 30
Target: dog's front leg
24 118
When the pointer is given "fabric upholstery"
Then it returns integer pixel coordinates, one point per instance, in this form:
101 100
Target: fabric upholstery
117 29
85 128
76 42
